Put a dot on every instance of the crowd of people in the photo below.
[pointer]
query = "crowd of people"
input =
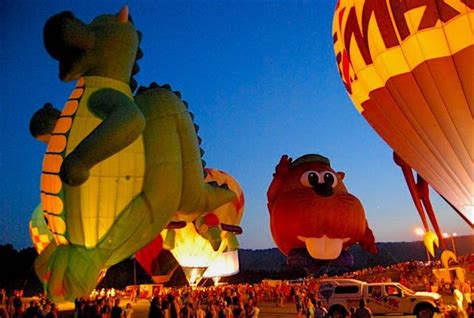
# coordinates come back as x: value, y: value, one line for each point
x: 229, y: 301
x: 13, y: 306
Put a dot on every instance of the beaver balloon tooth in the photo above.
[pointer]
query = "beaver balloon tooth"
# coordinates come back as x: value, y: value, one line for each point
x: 323, y: 247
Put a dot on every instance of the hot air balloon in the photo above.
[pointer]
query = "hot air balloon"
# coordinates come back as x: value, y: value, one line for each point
x: 407, y: 66
x: 226, y: 264
x: 157, y: 262
x: 117, y: 166
x: 196, y: 241
x: 309, y: 209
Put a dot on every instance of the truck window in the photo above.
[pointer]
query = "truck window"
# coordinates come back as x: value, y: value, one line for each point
x: 346, y: 289
x: 375, y: 291
x: 393, y: 291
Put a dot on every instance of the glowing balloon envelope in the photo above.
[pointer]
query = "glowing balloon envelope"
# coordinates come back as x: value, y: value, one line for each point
x: 226, y: 264
x: 309, y: 208
x: 407, y: 66
x: 190, y: 244
x: 193, y: 252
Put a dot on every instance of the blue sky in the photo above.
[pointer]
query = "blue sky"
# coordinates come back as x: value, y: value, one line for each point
x: 261, y: 79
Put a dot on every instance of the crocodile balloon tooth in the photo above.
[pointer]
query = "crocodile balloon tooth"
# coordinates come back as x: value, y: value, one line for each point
x: 167, y: 86
x: 178, y: 93
x: 154, y: 85
x: 196, y: 128
x: 192, y: 115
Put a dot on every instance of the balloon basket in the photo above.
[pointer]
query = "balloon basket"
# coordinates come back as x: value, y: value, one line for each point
x: 216, y: 280
x: 193, y: 274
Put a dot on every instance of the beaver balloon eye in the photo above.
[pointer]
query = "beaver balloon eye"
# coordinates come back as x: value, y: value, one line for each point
x: 330, y: 178
x: 309, y: 178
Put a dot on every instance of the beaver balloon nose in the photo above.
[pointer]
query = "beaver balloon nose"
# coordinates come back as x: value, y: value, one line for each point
x: 323, y: 189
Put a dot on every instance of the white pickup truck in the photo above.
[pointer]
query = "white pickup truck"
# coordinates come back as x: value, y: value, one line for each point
x: 339, y: 295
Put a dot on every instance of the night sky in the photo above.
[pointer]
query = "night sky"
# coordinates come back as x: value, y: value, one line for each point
x: 261, y: 79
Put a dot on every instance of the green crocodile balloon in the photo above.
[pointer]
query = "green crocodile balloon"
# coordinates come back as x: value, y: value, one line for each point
x: 116, y: 168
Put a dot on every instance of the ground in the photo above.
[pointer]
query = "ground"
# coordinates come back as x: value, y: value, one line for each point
x: 267, y: 309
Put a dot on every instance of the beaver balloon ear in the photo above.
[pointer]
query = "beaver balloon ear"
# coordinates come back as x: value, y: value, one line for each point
x: 341, y: 175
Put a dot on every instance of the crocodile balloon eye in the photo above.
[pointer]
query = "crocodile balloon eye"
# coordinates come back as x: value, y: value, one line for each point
x: 330, y: 178
x: 309, y: 178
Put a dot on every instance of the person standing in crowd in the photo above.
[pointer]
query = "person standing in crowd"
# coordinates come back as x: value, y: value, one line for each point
x: 459, y: 298
x: 363, y: 311
x: 319, y: 310
x: 117, y: 311
x: 104, y: 308
x: 53, y: 312
x: 133, y: 295
x: 155, y: 308
x: 466, y: 291
x: 352, y: 312
x: 200, y: 313
x: 17, y: 306
x: 32, y: 311
x: 128, y: 311
x: 309, y: 308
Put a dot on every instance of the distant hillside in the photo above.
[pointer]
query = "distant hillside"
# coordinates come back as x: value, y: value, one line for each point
x: 255, y: 265
x: 272, y: 262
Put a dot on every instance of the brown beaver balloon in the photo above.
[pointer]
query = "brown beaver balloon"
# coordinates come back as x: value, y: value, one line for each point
x: 310, y: 208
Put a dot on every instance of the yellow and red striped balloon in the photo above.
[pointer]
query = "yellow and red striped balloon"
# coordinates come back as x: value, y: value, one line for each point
x: 407, y: 66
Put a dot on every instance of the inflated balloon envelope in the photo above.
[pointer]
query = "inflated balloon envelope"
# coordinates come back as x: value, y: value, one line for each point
x: 116, y: 167
x: 197, y: 240
x: 407, y: 66
x: 226, y: 264
x: 313, y: 217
